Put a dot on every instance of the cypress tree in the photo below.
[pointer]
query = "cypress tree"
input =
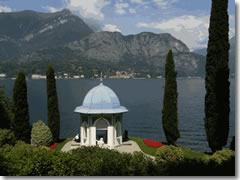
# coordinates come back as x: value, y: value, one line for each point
x: 21, y: 125
x: 169, y: 111
x: 217, y: 77
x: 53, y: 112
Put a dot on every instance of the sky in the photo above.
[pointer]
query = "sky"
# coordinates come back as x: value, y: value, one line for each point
x: 187, y: 20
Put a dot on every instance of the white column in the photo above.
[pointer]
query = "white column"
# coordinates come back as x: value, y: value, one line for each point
x: 88, y: 136
x: 93, y: 136
x: 120, y: 139
x: 114, y: 130
x: 110, y: 136
x: 81, y: 131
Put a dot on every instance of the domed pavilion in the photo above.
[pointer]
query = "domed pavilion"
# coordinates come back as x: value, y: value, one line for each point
x: 101, y: 117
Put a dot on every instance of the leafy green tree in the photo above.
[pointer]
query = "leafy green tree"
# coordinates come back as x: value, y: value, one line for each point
x: 169, y: 111
x: 53, y: 112
x: 41, y: 134
x: 5, y: 114
x: 4, y: 118
x: 7, y: 137
x: 217, y: 77
x: 21, y: 125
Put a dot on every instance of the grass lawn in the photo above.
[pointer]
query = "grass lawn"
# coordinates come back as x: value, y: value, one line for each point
x: 188, y: 153
x: 146, y: 149
x: 61, y: 144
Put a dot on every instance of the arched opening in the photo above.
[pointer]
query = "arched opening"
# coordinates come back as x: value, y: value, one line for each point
x: 118, y: 129
x: 101, y: 129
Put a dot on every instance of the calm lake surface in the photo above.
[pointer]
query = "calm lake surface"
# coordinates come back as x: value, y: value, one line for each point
x: 142, y: 97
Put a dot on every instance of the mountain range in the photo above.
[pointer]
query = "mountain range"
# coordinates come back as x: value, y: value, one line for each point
x: 31, y: 40
x: 232, y: 51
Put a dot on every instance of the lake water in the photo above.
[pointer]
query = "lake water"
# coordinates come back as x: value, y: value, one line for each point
x: 142, y: 97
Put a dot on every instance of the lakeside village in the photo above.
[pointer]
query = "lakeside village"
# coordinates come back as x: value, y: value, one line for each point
x: 118, y: 75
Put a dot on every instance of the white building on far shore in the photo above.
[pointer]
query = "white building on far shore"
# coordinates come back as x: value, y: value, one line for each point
x: 2, y: 75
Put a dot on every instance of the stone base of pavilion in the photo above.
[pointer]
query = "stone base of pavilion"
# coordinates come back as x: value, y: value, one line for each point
x: 125, y: 147
x: 128, y: 146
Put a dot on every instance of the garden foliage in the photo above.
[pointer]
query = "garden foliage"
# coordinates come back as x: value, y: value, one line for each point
x: 7, y: 137
x: 27, y: 160
x: 41, y: 134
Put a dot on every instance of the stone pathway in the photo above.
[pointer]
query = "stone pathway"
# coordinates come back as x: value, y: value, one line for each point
x: 126, y: 147
x: 67, y: 146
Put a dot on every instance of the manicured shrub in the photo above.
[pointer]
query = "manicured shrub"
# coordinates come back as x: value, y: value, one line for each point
x: 140, y: 165
x: 7, y: 137
x: 41, y: 134
x: 25, y: 160
x: 220, y: 157
x: 169, y: 154
x: 169, y: 158
x: 100, y: 161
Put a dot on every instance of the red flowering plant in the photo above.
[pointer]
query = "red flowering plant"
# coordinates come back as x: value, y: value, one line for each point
x: 53, y: 146
x: 152, y: 143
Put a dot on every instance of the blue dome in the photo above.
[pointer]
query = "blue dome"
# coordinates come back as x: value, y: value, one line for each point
x: 100, y: 100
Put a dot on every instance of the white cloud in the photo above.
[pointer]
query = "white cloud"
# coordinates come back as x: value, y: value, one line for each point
x: 164, y: 3
x: 132, y: 11
x: 190, y: 29
x: 87, y: 8
x: 111, y: 28
x: 5, y: 9
x: 137, y: 1
x: 232, y: 26
x: 51, y: 9
x: 120, y: 8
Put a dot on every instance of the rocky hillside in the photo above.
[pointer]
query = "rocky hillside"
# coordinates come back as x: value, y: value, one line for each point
x: 232, y: 51
x: 27, y: 31
x: 31, y: 40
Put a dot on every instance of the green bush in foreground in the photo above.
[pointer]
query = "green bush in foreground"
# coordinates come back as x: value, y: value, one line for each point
x: 41, y: 134
x: 168, y: 158
x: 7, y: 137
x: 168, y: 154
x: 27, y: 160
x: 220, y: 157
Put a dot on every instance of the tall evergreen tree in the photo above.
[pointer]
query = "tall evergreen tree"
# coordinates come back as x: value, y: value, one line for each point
x: 169, y: 111
x: 217, y: 77
x: 21, y: 125
x: 53, y: 112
